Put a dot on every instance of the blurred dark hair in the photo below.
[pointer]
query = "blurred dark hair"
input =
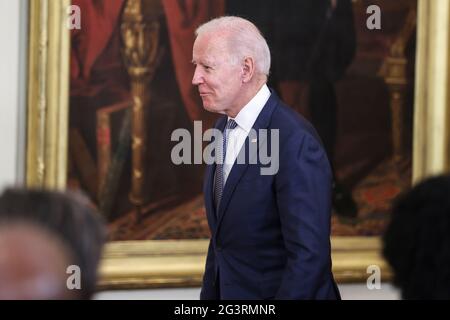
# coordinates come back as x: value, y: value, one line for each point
x: 417, y: 240
x: 70, y: 217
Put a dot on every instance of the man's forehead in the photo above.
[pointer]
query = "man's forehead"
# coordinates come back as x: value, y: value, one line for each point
x: 209, y: 49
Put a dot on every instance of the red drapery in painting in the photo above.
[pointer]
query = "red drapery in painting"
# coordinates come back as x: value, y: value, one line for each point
x: 99, y: 23
x: 183, y: 17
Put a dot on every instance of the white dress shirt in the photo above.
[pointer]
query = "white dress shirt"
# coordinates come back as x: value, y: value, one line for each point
x: 245, y: 120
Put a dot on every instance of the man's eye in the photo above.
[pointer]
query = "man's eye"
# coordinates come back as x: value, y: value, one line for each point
x: 208, y: 68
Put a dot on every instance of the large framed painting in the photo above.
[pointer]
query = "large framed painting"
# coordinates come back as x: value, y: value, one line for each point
x: 110, y: 80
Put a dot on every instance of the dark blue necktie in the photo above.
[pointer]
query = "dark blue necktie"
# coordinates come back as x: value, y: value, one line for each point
x: 221, y: 153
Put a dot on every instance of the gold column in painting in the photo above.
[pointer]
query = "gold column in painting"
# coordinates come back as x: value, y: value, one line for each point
x: 431, y: 153
x: 48, y: 98
x: 394, y: 73
x: 140, y: 34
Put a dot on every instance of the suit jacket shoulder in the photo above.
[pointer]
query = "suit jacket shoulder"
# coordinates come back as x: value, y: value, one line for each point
x: 292, y: 123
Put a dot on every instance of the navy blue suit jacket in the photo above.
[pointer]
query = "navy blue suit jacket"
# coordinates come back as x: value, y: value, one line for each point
x: 270, y: 238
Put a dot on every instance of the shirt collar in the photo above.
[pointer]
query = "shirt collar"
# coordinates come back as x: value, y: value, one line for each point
x: 249, y: 113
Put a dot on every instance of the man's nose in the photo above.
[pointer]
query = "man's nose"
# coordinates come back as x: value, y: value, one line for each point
x: 198, y: 77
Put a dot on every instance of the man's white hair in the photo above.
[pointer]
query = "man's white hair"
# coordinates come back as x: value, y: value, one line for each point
x: 244, y: 40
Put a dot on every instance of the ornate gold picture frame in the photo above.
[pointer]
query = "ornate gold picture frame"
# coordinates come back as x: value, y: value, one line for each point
x: 139, y: 264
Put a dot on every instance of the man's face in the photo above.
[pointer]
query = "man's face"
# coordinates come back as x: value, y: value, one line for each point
x: 218, y: 79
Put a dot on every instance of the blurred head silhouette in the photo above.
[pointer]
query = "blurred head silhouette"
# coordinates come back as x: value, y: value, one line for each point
x: 62, y: 229
x: 417, y: 241
x: 33, y: 263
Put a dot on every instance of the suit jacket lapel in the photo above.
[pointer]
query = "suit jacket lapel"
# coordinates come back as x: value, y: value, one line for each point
x: 209, y: 183
x: 262, y: 122
x: 208, y: 192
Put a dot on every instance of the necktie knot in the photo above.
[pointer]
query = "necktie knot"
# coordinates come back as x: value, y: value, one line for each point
x: 231, y: 124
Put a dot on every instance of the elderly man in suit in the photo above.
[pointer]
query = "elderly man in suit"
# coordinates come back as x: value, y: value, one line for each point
x: 270, y: 232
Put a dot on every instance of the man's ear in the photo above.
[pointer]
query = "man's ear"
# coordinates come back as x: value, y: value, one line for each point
x: 248, y: 69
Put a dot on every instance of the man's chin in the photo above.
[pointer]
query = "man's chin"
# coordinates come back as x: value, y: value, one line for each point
x: 210, y: 108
